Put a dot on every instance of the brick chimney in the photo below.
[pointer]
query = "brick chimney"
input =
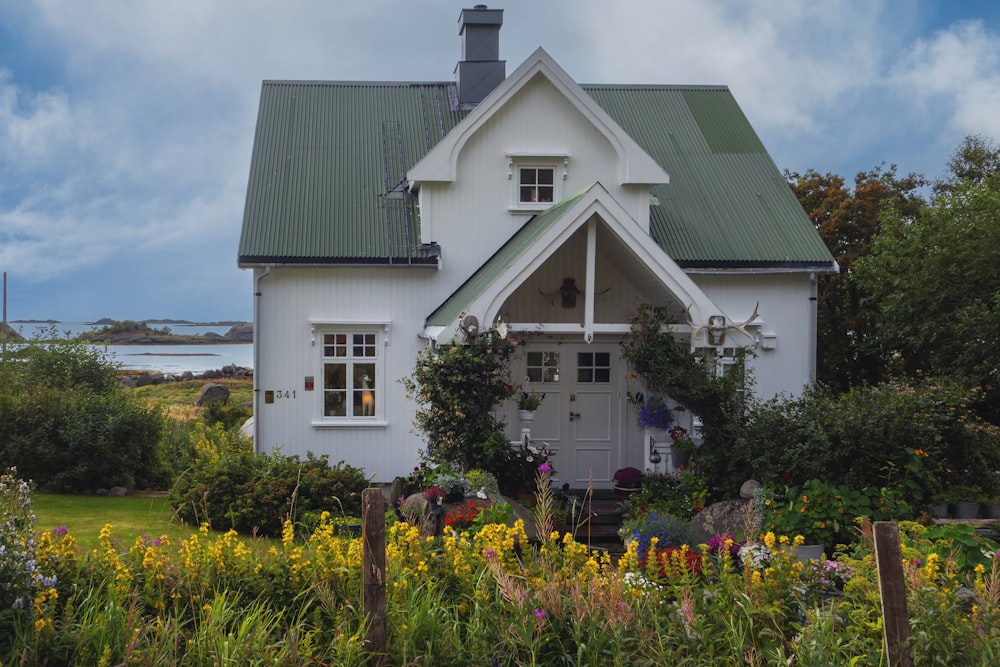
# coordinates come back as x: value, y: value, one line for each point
x: 480, y: 70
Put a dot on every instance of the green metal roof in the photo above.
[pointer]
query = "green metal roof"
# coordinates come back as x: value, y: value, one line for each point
x: 501, y: 260
x: 727, y: 203
x: 327, y: 166
x: 329, y: 159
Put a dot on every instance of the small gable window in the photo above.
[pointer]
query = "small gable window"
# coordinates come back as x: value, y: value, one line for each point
x: 537, y: 185
x: 536, y: 181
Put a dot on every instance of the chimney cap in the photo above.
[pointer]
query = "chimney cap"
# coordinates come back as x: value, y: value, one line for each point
x: 480, y: 15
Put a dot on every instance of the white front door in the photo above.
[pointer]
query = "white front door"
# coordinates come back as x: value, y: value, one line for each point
x: 580, y: 417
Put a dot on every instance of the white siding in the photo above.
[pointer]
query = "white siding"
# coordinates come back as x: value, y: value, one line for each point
x: 289, y: 299
x: 786, y: 311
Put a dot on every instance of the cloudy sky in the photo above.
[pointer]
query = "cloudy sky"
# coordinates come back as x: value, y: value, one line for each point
x: 126, y: 126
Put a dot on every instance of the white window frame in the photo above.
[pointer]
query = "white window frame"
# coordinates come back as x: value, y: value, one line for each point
x: 557, y: 162
x: 379, y: 333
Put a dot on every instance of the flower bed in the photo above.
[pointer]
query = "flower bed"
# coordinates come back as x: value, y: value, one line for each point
x: 485, y: 597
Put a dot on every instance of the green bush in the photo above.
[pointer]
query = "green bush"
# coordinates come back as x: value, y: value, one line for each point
x: 67, y: 425
x: 456, y: 387
x: 826, y: 514
x: 682, y: 495
x: 230, y: 416
x: 229, y: 486
x: 914, y: 439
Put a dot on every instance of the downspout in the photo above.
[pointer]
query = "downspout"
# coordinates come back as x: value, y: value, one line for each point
x: 813, y: 327
x: 256, y: 357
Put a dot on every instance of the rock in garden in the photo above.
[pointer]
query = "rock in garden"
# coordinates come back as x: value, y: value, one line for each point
x: 212, y: 393
x: 748, y: 488
x: 728, y: 517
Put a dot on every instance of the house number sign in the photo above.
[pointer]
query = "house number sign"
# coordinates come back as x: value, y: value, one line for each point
x: 270, y: 395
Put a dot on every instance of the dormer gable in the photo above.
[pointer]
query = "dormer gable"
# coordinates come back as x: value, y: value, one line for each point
x: 635, y: 165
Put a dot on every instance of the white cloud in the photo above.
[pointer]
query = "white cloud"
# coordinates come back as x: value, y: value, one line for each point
x: 32, y: 125
x: 955, y: 75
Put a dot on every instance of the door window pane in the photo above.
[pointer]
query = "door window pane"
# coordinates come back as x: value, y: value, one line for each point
x: 543, y: 366
x: 593, y: 367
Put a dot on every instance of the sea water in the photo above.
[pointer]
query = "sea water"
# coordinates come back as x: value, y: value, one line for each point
x: 175, y: 359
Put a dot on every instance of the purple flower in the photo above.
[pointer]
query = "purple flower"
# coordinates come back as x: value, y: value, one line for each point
x: 490, y: 553
x: 539, y: 613
x: 545, y: 467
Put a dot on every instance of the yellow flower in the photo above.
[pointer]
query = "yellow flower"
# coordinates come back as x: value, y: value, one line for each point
x: 799, y: 541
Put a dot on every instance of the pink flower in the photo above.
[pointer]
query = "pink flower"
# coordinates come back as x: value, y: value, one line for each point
x: 545, y: 467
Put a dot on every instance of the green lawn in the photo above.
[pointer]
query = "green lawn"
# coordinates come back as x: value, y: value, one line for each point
x: 131, y: 516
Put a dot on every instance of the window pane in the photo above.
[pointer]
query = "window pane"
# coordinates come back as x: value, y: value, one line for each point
x: 545, y: 176
x: 593, y: 367
x: 334, y: 390
x: 529, y: 194
x: 542, y: 366
x: 363, y: 345
x: 334, y: 345
x: 545, y: 193
x: 364, y: 390
x: 528, y: 176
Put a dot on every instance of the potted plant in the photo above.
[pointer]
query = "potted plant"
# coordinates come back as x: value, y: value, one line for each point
x: 654, y: 414
x: 964, y: 501
x: 527, y: 403
x: 435, y: 499
x: 991, y: 507
x: 628, y: 479
x: 681, y: 447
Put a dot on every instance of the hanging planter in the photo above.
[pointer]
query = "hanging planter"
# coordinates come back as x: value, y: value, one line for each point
x: 526, y: 415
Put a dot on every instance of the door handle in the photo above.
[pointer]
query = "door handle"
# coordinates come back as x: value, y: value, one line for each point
x: 574, y: 415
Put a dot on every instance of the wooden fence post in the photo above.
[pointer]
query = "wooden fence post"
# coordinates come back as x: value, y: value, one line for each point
x: 373, y: 575
x: 895, y: 618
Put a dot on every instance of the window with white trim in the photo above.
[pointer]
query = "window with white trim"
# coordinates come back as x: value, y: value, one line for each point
x: 351, y: 374
x: 536, y: 180
x: 536, y: 185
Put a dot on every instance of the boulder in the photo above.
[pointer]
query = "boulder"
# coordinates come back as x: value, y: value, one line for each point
x: 749, y: 487
x: 728, y: 517
x: 117, y: 491
x: 247, y: 429
x: 213, y: 393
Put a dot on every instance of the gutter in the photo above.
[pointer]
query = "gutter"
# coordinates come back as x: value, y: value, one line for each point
x: 256, y: 356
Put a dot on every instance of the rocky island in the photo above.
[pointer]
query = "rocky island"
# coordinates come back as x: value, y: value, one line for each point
x: 141, y: 333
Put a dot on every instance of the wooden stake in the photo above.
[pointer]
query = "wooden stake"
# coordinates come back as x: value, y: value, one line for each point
x: 895, y: 618
x: 373, y: 602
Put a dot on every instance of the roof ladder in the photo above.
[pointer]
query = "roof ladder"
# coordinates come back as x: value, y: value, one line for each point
x: 396, y: 199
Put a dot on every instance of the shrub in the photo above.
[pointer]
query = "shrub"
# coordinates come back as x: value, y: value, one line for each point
x: 456, y: 387
x: 915, y: 439
x: 681, y: 495
x: 229, y: 486
x: 825, y: 513
x: 69, y: 426
x: 230, y: 416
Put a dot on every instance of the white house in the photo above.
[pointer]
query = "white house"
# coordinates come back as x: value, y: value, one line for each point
x: 381, y: 217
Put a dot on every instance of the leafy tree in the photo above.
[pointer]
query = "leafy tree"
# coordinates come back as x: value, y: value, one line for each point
x: 935, y: 279
x: 976, y: 159
x: 849, y: 350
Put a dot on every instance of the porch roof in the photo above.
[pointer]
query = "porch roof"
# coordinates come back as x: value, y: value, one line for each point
x: 522, y: 240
